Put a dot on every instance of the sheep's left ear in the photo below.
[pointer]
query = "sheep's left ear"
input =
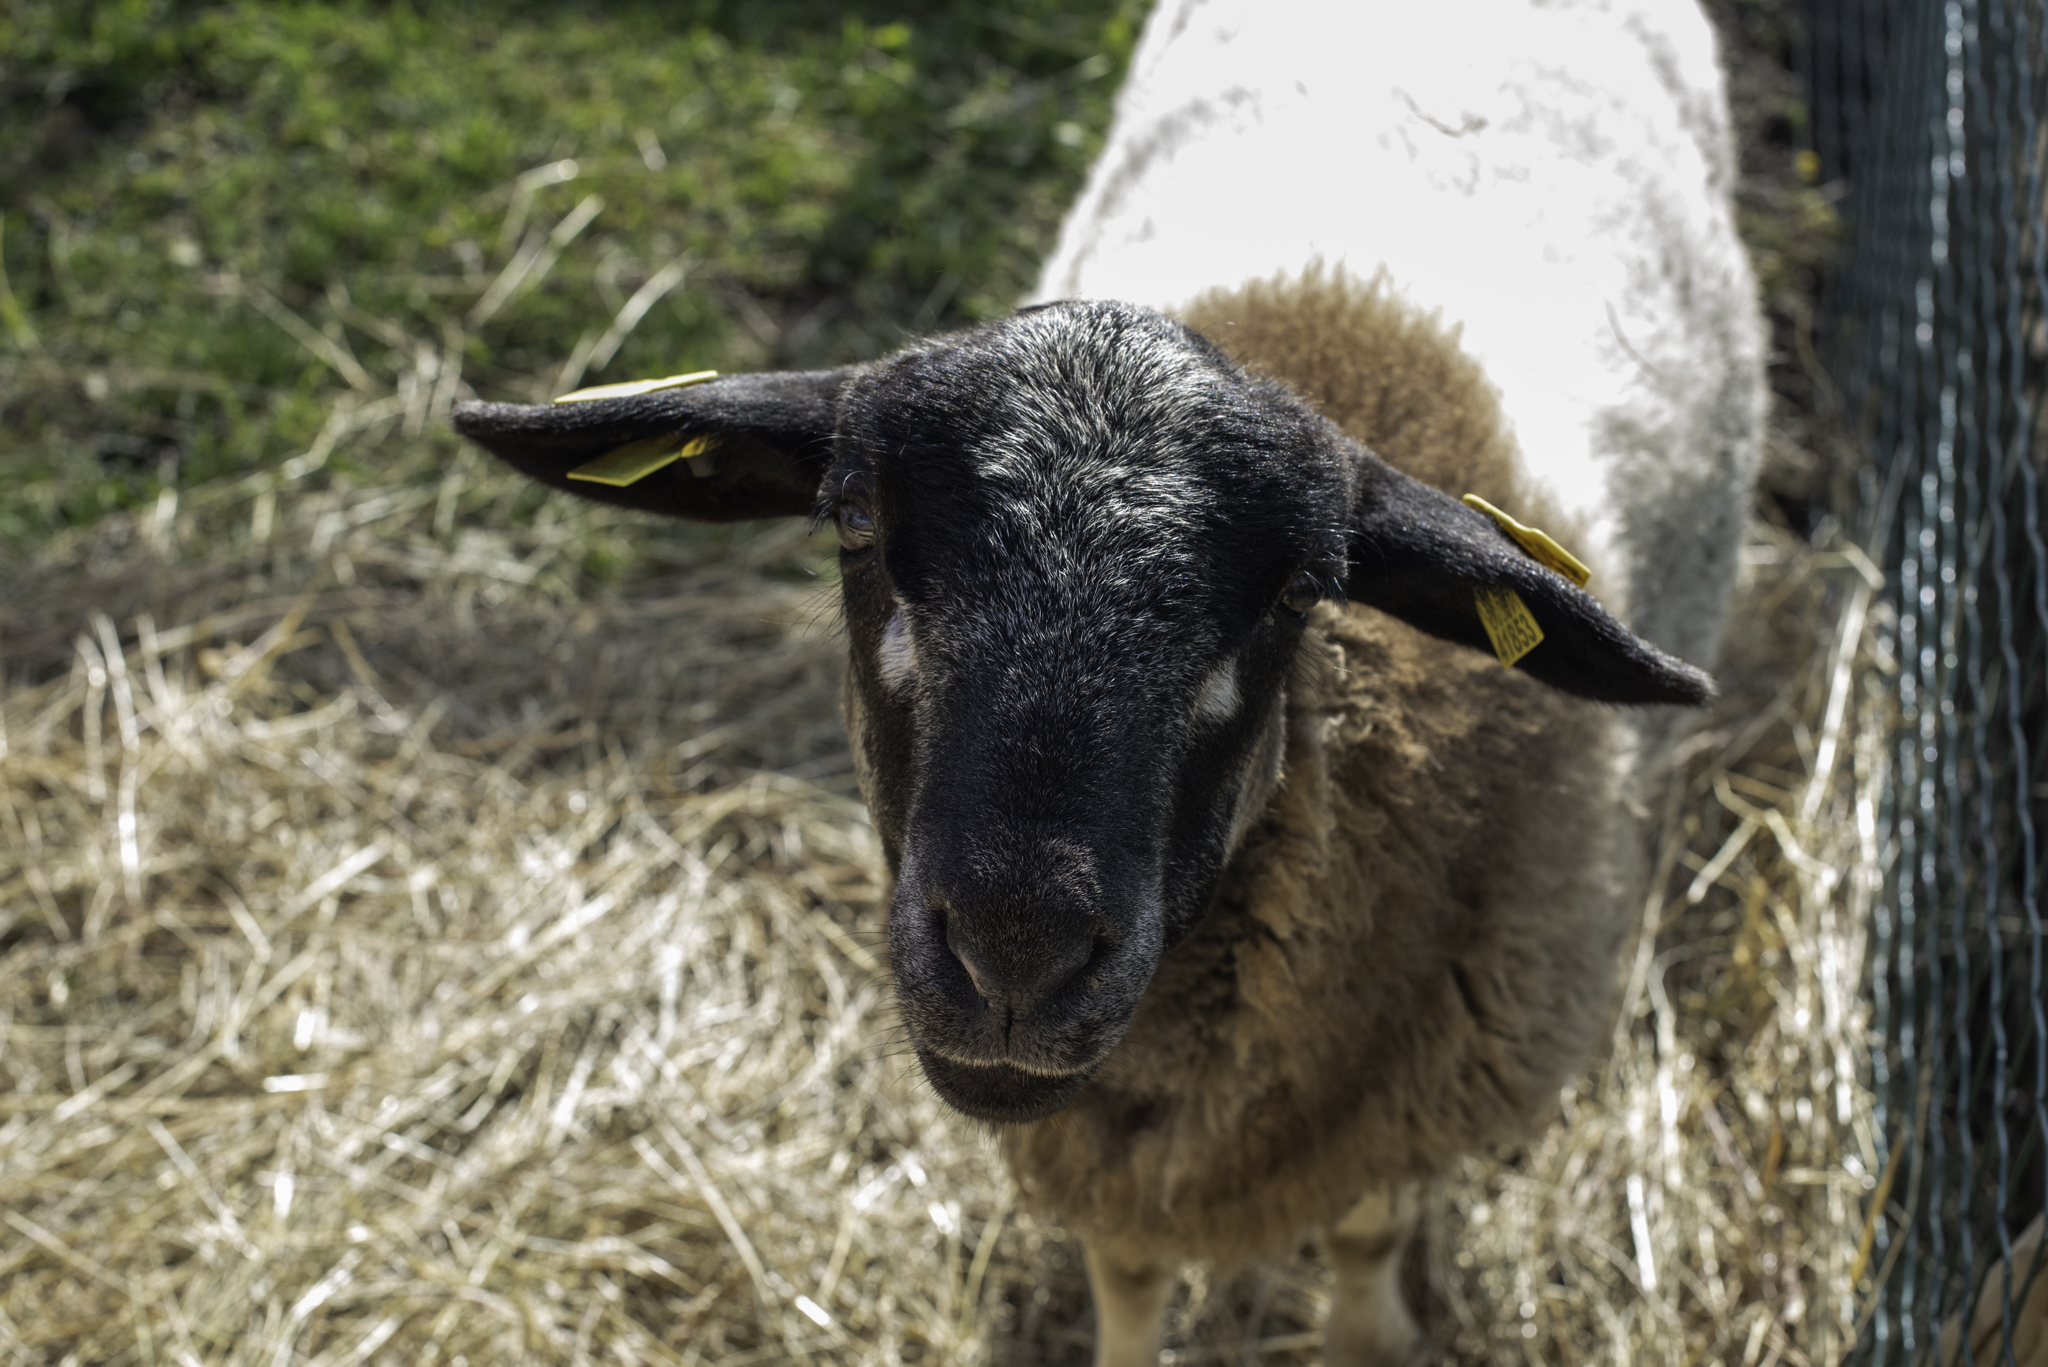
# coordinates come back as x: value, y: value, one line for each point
x: 716, y: 449
x: 1422, y: 556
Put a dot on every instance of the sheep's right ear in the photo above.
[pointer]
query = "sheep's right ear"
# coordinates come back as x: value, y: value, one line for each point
x: 721, y: 450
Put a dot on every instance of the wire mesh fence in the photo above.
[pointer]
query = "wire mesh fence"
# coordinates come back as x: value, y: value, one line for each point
x: 1932, y: 117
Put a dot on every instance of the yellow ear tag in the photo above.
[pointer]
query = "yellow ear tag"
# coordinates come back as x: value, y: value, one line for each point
x: 1509, y: 624
x: 634, y: 462
x: 1545, y: 551
x: 632, y: 387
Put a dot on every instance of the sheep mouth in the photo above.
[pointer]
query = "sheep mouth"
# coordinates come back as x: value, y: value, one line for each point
x: 1001, y: 1093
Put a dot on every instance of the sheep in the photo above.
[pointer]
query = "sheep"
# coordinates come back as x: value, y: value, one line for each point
x: 1237, y: 886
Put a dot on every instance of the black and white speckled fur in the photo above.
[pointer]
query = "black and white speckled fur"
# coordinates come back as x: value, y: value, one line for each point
x: 1084, y: 520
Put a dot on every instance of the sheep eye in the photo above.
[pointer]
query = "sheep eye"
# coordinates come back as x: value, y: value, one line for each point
x: 1302, y: 593
x: 856, y: 527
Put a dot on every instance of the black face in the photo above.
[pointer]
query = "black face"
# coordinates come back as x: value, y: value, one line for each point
x: 1077, y: 545
x: 1069, y: 648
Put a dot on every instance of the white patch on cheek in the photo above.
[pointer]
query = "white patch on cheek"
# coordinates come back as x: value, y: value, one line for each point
x: 1218, y: 699
x: 899, y: 653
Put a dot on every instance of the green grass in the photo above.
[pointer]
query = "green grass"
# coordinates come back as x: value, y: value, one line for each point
x: 223, y: 226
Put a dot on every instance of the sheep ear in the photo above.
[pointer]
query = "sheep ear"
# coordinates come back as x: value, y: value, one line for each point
x: 1426, y: 558
x: 702, y: 447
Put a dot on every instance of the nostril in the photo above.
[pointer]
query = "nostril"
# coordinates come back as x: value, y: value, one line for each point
x: 1098, y: 959
x: 984, y: 986
x: 981, y: 982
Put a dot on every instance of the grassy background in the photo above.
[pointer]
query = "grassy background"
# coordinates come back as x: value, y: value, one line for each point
x: 220, y: 224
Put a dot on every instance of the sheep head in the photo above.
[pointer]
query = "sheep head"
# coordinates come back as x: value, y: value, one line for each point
x: 1078, y: 550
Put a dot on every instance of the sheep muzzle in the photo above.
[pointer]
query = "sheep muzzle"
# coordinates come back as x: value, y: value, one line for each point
x: 1017, y: 975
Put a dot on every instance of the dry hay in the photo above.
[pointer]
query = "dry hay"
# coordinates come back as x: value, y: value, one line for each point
x: 406, y: 961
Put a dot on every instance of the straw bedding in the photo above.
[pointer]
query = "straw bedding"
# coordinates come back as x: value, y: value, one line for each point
x: 406, y: 959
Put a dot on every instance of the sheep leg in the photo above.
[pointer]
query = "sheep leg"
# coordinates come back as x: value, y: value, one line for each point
x: 1130, y: 1297
x: 1369, y: 1326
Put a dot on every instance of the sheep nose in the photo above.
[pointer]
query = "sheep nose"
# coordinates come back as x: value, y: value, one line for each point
x: 1014, y: 985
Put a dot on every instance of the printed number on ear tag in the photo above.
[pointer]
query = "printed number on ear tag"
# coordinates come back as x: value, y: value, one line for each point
x: 634, y: 462
x: 1509, y: 623
x: 1540, y: 547
x: 633, y: 387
